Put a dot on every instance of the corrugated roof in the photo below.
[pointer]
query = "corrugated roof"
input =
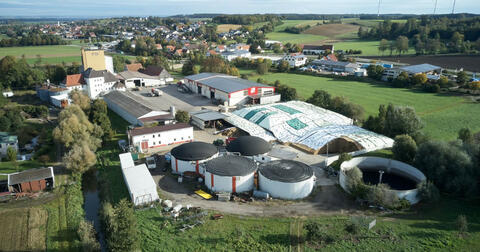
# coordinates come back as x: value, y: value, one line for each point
x: 226, y: 83
x: 156, y: 129
x: 422, y: 68
x: 128, y: 102
x: 135, y: 75
x: 30, y: 175
x: 207, y: 115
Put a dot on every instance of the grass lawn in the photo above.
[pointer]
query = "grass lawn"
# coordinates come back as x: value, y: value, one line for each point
x: 44, y: 51
x: 443, y: 115
x: 11, y: 167
x: 56, y: 60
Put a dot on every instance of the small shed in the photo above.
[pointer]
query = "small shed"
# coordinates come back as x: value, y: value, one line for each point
x: 206, y: 117
x: 32, y: 180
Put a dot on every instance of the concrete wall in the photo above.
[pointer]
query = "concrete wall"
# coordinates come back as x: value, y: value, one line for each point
x: 391, y: 166
x: 284, y: 190
x: 181, y: 166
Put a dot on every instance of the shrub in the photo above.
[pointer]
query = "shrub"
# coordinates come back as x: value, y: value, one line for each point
x: 358, y: 224
x: 182, y: 116
x: 318, y: 234
x: 218, y: 142
x: 342, y: 158
x: 11, y: 154
x: 462, y: 224
x: 380, y: 195
x: 428, y: 191
x: 86, y: 233
x: 404, y: 148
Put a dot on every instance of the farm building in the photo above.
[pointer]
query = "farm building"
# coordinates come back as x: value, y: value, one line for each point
x: 144, y: 138
x: 32, y: 180
x: 230, y: 89
x: 7, y: 140
x: 317, y: 50
x: 205, y: 118
x: 136, y: 110
x: 231, y: 55
x: 336, y: 66
x: 307, y: 127
x: 230, y: 173
x: 140, y: 184
x: 286, y: 179
x: 133, y: 79
x: 295, y: 59
x: 252, y: 147
x: 158, y: 72
x: 432, y: 72
x: 188, y: 157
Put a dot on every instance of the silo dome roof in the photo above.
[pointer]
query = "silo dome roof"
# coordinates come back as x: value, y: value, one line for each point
x: 230, y: 165
x: 194, y: 151
x: 289, y: 171
x: 249, y: 146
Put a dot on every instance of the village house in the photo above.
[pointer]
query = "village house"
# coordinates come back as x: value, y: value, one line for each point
x: 295, y: 59
x: 144, y: 138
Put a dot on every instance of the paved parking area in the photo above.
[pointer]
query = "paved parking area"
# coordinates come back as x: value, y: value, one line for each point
x: 172, y: 97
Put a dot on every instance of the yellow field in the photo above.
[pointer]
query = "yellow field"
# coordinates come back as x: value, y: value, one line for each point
x: 227, y: 27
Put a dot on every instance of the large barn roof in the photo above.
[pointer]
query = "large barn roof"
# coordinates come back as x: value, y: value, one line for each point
x: 303, y: 123
x: 422, y: 68
x: 30, y: 175
x: 133, y: 104
x: 194, y: 151
x: 226, y: 83
x: 289, y: 171
x: 231, y: 165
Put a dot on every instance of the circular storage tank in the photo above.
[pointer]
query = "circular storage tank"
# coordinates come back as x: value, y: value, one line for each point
x: 189, y: 156
x: 401, y: 177
x: 249, y: 146
x: 286, y: 179
x: 230, y: 173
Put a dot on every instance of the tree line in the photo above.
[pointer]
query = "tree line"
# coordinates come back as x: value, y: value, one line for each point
x: 33, y: 40
x: 244, y: 19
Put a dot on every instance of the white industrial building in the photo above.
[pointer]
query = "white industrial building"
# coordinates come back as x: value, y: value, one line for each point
x: 140, y: 184
x: 229, y: 173
x: 98, y: 82
x: 136, y: 110
x: 336, y: 66
x: 133, y: 79
x: 317, y: 50
x: 230, y: 89
x: 432, y: 71
x: 231, y: 55
x: 190, y: 157
x: 144, y: 138
x: 295, y: 59
x: 310, y: 128
x: 286, y: 179
x: 251, y: 147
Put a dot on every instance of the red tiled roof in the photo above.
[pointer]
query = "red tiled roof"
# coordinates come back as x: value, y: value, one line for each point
x: 74, y: 80
x: 134, y: 67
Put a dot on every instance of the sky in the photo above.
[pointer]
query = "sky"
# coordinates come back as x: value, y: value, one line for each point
x: 113, y: 8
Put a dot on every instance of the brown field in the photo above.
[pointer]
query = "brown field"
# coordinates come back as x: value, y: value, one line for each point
x: 23, y: 229
x: 333, y: 30
x: 227, y: 27
x: 468, y: 62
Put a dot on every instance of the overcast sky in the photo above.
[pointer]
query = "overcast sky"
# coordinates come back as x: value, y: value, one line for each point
x: 104, y: 8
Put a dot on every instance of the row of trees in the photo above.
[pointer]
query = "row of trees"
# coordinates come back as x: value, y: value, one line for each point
x: 338, y: 104
x: 244, y: 19
x: 33, y: 40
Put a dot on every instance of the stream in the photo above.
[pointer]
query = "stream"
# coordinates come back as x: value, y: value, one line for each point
x: 92, y: 204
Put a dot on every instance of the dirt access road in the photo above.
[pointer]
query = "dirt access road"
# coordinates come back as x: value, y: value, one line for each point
x: 327, y: 199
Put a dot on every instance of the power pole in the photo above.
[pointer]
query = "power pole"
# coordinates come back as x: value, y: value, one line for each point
x: 435, y: 9
x: 453, y: 8
x: 378, y: 11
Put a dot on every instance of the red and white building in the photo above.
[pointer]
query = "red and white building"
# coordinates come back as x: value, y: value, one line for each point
x: 144, y: 138
x: 230, y: 89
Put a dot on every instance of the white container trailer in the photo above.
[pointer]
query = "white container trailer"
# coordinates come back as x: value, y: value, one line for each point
x: 140, y: 184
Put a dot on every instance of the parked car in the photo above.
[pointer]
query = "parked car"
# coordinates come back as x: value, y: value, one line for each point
x: 151, y: 164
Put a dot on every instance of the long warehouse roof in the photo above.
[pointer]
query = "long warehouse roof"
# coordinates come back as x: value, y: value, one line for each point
x: 133, y: 104
x: 226, y: 83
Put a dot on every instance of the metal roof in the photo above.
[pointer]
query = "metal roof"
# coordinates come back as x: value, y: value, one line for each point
x: 135, y: 75
x: 231, y: 165
x: 207, y: 115
x: 30, y: 175
x: 334, y: 63
x: 194, y: 151
x: 422, y: 68
x: 129, y: 102
x: 156, y: 129
x: 288, y: 171
x: 226, y: 83
x: 249, y: 146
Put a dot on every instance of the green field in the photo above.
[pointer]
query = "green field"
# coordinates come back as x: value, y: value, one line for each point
x: 369, y: 48
x: 443, y: 115
x: 285, y: 37
x: 55, y: 54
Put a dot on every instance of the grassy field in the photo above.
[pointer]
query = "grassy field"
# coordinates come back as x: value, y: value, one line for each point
x: 227, y: 27
x: 335, y: 31
x: 443, y: 115
x: 285, y: 37
x: 50, y: 54
x: 369, y: 48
